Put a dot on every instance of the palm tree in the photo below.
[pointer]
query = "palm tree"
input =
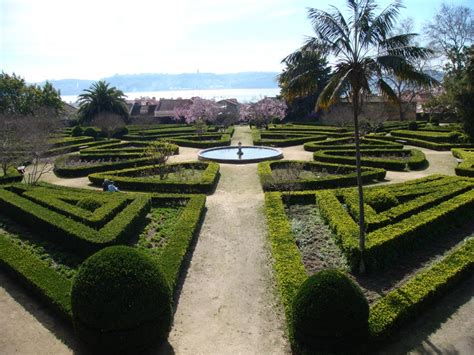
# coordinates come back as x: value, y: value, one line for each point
x: 365, y: 53
x: 306, y: 73
x: 100, y: 98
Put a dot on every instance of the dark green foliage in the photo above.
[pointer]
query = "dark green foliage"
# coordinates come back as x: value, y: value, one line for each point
x: 330, y: 313
x: 466, y: 166
x: 431, y: 136
x: 413, y: 125
x: 91, y: 132
x: 334, y: 175
x: 121, y: 302
x: 426, y: 143
x: 136, y: 179
x: 88, y: 203
x: 120, y: 132
x: 407, y: 302
x: 380, y: 199
x: 348, y: 143
x: 390, y: 159
x: 77, y: 131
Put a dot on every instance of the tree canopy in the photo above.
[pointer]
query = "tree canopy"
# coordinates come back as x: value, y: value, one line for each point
x: 101, y: 98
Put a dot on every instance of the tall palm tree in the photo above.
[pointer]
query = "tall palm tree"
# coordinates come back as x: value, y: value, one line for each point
x: 364, y: 53
x: 306, y: 73
x: 100, y: 98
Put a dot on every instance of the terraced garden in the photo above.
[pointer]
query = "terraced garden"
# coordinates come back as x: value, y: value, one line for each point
x: 227, y: 299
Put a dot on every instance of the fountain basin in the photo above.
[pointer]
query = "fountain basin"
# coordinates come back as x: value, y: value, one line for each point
x: 250, y: 154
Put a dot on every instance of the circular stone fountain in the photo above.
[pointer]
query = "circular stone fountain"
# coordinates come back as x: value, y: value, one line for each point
x: 240, y: 154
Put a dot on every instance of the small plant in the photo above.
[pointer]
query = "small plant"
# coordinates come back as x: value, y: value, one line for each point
x: 88, y: 203
x: 159, y: 153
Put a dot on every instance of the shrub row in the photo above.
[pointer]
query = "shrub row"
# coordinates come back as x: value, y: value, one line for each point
x: 431, y: 136
x: 51, y: 287
x: 344, y: 175
x: 13, y: 176
x: 466, y: 167
x: 63, y: 142
x: 287, y: 262
x: 408, y: 301
x: 174, y: 253
x: 415, y: 159
x: 395, y: 214
x: 129, y: 179
x: 393, y: 240
x: 76, y: 147
x: 63, y: 169
x: 202, y: 141
x: 70, y: 233
x: 306, y: 128
x: 283, y: 139
x: 348, y: 143
x: 425, y: 144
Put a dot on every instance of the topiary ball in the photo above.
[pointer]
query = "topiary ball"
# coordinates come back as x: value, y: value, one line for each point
x: 121, y: 302
x: 76, y: 131
x: 330, y: 313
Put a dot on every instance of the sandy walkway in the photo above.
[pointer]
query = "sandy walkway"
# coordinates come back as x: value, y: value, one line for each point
x: 228, y: 303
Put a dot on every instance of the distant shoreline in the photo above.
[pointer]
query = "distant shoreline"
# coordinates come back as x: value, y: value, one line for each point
x: 242, y: 95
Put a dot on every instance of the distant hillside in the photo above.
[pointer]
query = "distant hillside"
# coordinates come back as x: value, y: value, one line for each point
x: 159, y: 82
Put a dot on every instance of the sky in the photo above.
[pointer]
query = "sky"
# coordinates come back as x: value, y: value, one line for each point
x: 93, y: 39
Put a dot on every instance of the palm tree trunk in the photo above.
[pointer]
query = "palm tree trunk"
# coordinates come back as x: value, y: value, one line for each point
x: 359, y: 183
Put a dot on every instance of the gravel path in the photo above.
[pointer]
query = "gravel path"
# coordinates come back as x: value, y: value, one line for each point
x: 228, y: 303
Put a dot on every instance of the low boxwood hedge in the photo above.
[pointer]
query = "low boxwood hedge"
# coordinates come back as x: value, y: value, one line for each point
x: 342, y: 175
x: 391, y: 311
x: 409, y: 158
x: 426, y: 144
x: 129, y: 179
x: 74, y: 235
x: 408, y: 301
x: 55, y: 290
x: 348, y: 143
x: 466, y: 166
x: 431, y: 136
x: 63, y: 142
x: 12, y: 176
x: 75, y: 147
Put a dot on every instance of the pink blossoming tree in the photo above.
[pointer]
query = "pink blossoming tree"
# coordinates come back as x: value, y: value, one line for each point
x: 263, y: 112
x: 199, y: 113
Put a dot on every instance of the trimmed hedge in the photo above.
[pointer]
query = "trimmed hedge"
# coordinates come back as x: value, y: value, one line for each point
x: 13, y: 176
x: 426, y: 144
x: 402, y: 228
x: 389, y: 313
x: 63, y: 142
x: 202, y: 141
x: 76, y: 147
x: 54, y: 289
x: 414, y: 158
x: 51, y: 287
x: 348, y: 143
x: 344, y: 175
x: 129, y: 179
x: 431, y: 136
x: 284, y: 139
x: 466, y: 167
x: 71, y: 234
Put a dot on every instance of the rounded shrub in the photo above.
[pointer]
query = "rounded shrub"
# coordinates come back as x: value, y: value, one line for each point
x: 88, y: 203
x: 380, y: 199
x: 412, y: 125
x: 76, y: 131
x: 121, y: 302
x: 90, y: 132
x: 330, y: 314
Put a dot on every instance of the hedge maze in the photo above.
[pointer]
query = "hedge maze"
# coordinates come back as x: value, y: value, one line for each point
x: 46, y: 232
x: 390, y: 159
x: 197, y: 177
x: 401, y: 220
x: 301, y: 175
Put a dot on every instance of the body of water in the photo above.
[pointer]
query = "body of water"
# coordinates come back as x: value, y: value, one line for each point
x: 242, y: 95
